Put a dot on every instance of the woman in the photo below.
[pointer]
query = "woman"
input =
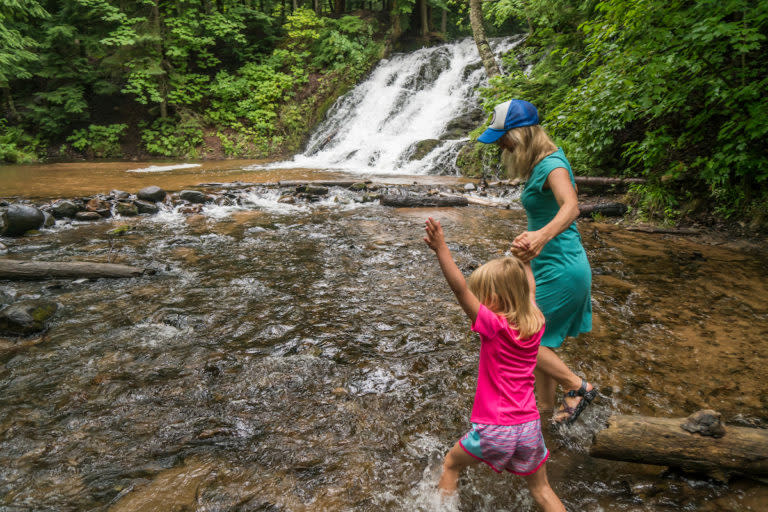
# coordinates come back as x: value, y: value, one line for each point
x: 553, y: 246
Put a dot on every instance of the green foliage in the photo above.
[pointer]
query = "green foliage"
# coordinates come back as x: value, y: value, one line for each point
x: 673, y: 91
x: 173, y: 137
x: 99, y: 141
x: 15, y: 145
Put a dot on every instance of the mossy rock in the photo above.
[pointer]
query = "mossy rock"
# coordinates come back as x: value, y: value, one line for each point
x: 476, y: 160
x: 423, y: 148
x: 26, y: 317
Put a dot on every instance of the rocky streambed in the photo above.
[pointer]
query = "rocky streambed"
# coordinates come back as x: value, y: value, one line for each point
x: 297, y: 349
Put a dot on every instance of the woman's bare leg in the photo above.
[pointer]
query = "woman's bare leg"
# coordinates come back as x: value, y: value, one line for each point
x: 541, y: 491
x: 549, y: 364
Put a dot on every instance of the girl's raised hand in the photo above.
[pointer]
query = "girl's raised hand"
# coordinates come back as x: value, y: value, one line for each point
x: 435, y: 237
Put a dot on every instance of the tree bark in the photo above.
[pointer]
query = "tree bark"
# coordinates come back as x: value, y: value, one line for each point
x: 38, y: 270
x: 661, y: 441
x: 424, y: 19
x: 478, y: 32
x: 444, y: 22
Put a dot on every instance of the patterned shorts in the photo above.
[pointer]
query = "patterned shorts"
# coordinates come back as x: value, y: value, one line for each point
x: 519, y: 449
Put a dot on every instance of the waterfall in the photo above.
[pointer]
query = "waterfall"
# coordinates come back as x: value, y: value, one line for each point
x: 427, y: 96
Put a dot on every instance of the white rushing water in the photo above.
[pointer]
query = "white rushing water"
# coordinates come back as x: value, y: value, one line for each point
x: 408, y: 98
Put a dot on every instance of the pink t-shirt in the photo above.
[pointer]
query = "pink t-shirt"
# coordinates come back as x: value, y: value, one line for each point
x: 504, y: 393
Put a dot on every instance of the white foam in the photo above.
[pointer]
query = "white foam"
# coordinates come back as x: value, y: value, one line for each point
x: 164, y: 168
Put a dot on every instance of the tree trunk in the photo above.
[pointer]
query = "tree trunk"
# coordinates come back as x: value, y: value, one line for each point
x: 444, y: 22
x: 423, y: 15
x: 397, y: 28
x: 662, y: 441
x: 478, y: 32
x: 37, y: 270
x: 12, y: 114
x: 339, y: 7
x: 317, y: 7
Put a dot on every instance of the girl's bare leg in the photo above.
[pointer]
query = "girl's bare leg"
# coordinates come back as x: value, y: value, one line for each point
x: 541, y: 491
x: 455, y: 460
x: 545, y: 391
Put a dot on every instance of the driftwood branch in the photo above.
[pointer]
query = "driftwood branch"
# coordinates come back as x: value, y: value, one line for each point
x: 37, y: 270
x: 663, y: 442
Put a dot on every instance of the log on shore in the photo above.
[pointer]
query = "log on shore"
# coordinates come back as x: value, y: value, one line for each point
x: 36, y: 270
x: 598, y: 182
x: 326, y: 183
x: 422, y: 201
x: 606, y: 209
x: 665, y: 231
x: 663, y: 442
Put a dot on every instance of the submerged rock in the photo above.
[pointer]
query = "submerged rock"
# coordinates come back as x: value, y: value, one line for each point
x: 87, y: 216
x: 48, y: 221
x: 26, y: 317
x: 20, y: 218
x: 423, y: 148
x: 154, y: 194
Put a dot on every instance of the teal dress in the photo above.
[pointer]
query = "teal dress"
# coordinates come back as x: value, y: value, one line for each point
x: 562, y: 273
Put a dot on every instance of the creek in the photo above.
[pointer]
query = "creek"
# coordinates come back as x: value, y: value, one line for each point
x: 309, y: 356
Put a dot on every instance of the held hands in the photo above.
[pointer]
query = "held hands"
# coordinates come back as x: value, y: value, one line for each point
x: 528, y: 245
x: 435, y: 238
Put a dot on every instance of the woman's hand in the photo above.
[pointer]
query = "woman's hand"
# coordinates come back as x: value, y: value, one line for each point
x: 528, y: 245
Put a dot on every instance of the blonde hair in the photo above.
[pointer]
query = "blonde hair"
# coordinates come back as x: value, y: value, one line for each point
x: 530, y: 145
x: 502, y: 286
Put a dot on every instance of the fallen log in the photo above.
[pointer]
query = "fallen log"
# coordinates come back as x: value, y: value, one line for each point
x: 36, y: 270
x: 664, y: 442
x: 606, y: 209
x: 422, y: 201
x: 478, y: 201
x: 327, y: 183
x: 604, y: 182
x: 664, y: 231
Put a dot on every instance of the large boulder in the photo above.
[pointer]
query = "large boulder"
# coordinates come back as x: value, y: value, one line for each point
x: 62, y: 209
x: 26, y: 317
x: 153, y: 194
x: 20, y: 218
x: 193, y: 196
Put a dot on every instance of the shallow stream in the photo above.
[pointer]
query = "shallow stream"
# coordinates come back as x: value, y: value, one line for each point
x: 311, y: 357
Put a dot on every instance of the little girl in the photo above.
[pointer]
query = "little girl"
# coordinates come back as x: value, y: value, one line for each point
x: 506, y: 428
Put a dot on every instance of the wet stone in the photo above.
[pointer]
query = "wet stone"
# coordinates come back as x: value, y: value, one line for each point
x: 153, y: 194
x: 87, y: 216
x: 126, y: 209
x: 193, y: 196
x: 312, y: 190
x: 62, y: 209
x: 26, y: 317
x: 146, y: 207
x: 120, y: 194
x: 49, y: 220
x: 21, y: 218
x: 96, y: 204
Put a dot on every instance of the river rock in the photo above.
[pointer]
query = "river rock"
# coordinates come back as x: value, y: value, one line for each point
x: 423, y: 148
x: 3, y: 248
x: 3, y: 220
x: 312, y: 190
x: 705, y: 422
x: 153, y: 194
x: 193, y: 196
x: 20, y: 218
x: 48, y: 221
x: 146, y: 207
x: 126, y: 209
x: 96, y: 205
x: 119, y: 194
x: 470, y: 186
x: 62, y: 209
x: 26, y: 317
x: 87, y: 216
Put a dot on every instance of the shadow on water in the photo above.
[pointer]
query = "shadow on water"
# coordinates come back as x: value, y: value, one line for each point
x: 314, y: 359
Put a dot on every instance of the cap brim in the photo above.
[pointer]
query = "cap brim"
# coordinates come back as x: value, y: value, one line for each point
x: 490, y: 135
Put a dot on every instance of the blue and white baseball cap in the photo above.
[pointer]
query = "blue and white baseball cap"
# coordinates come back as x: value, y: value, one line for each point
x: 508, y: 115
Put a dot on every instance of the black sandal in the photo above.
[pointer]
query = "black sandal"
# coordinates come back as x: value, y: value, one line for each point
x: 574, y: 412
